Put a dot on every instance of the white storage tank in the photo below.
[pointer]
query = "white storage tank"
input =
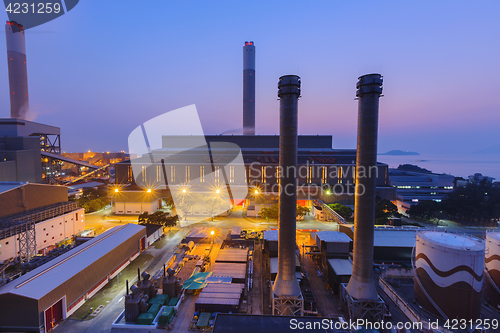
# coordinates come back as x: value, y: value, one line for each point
x: 492, y: 269
x: 449, y: 274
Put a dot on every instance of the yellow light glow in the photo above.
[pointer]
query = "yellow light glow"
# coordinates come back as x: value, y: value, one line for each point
x: 149, y: 190
x: 212, y: 232
x: 327, y: 192
x: 218, y: 191
x: 256, y: 192
x: 184, y: 191
x: 116, y: 190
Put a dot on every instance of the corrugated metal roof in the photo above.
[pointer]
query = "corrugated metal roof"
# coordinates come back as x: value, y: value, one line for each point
x: 395, y: 238
x: 205, y: 294
x: 224, y: 301
x: 341, y: 266
x: 389, y: 236
x: 271, y: 235
x: 7, y: 186
x: 46, y: 278
x: 333, y: 236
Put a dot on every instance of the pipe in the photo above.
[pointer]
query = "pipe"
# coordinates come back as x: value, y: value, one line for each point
x: 127, y: 286
x: 138, y: 274
x: 289, y: 92
x: 361, y: 284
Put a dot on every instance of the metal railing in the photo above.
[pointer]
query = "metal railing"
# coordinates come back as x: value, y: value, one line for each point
x: 336, y: 216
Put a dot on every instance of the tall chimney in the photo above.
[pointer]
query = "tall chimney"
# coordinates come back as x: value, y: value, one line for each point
x: 361, y: 284
x: 286, y: 284
x: 249, y: 88
x: 18, y: 73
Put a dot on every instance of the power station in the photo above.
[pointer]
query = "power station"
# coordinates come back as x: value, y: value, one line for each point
x: 18, y: 73
x: 249, y: 88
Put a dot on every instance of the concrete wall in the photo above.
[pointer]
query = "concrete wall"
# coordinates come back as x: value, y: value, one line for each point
x: 31, y: 196
x: 133, y: 208
x: 47, y: 233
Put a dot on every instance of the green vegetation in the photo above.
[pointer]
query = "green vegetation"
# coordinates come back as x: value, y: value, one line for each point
x: 272, y: 212
x: 342, y: 210
x: 93, y: 200
x: 158, y: 217
x: 477, y: 203
x: 384, y: 210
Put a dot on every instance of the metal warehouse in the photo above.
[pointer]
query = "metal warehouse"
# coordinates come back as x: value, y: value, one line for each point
x: 390, y: 244
x: 40, y: 299
x: 333, y: 243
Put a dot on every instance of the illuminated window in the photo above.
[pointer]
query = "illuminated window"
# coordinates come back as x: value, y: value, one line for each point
x: 172, y: 173
x: 325, y: 175
x: 231, y: 174
x: 188, y: 175
x: 309, y: 172
x: 143, y: 172
x: 129, y: 173
x: 278, y: 174
x: 217, y: 174
x: 202, y: 174
x: 263, y: 174
x: 339, y: 178
x: 158, y: 173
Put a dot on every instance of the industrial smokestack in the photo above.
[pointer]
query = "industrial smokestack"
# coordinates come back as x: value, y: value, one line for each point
x: 286, y: 284
x: 361, y: 284
x: 18, y: 73
x: 249, y: 88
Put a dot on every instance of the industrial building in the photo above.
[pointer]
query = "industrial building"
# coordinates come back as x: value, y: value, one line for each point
x: 135, y: 200
x: 420, y: 184
x: 333, y: 244
x: 153, y: 232
x: 40, y: 299
x: 34, y: 218
x: 391, y: 245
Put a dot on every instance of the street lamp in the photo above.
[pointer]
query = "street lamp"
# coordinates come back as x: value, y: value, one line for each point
x: 116, y: 190
x: 212, y: 236
x: 149, y: 190
x: 184, y: 191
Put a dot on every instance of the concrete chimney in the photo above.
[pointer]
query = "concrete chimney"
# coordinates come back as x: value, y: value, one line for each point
x: 18, y: 73
x: 361, y: 284
x: 249, y: 88
x: 286, y: 284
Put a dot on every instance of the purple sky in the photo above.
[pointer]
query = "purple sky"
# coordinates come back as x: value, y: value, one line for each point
x: 108, y: 66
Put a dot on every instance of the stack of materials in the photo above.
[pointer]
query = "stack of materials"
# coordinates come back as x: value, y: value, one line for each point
x: 220, y: 297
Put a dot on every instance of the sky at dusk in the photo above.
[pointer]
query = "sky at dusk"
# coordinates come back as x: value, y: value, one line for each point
x: 107, y: 66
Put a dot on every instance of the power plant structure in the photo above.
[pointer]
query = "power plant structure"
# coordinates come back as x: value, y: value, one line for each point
x: 249, y: 88
x: 448, y: 278
x: 287, y: 296
x: 18, y: 73
x: 491, y: 292
x: 362, y: 298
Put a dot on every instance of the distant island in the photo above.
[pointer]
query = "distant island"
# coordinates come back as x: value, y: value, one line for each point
x: 400, y: 152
